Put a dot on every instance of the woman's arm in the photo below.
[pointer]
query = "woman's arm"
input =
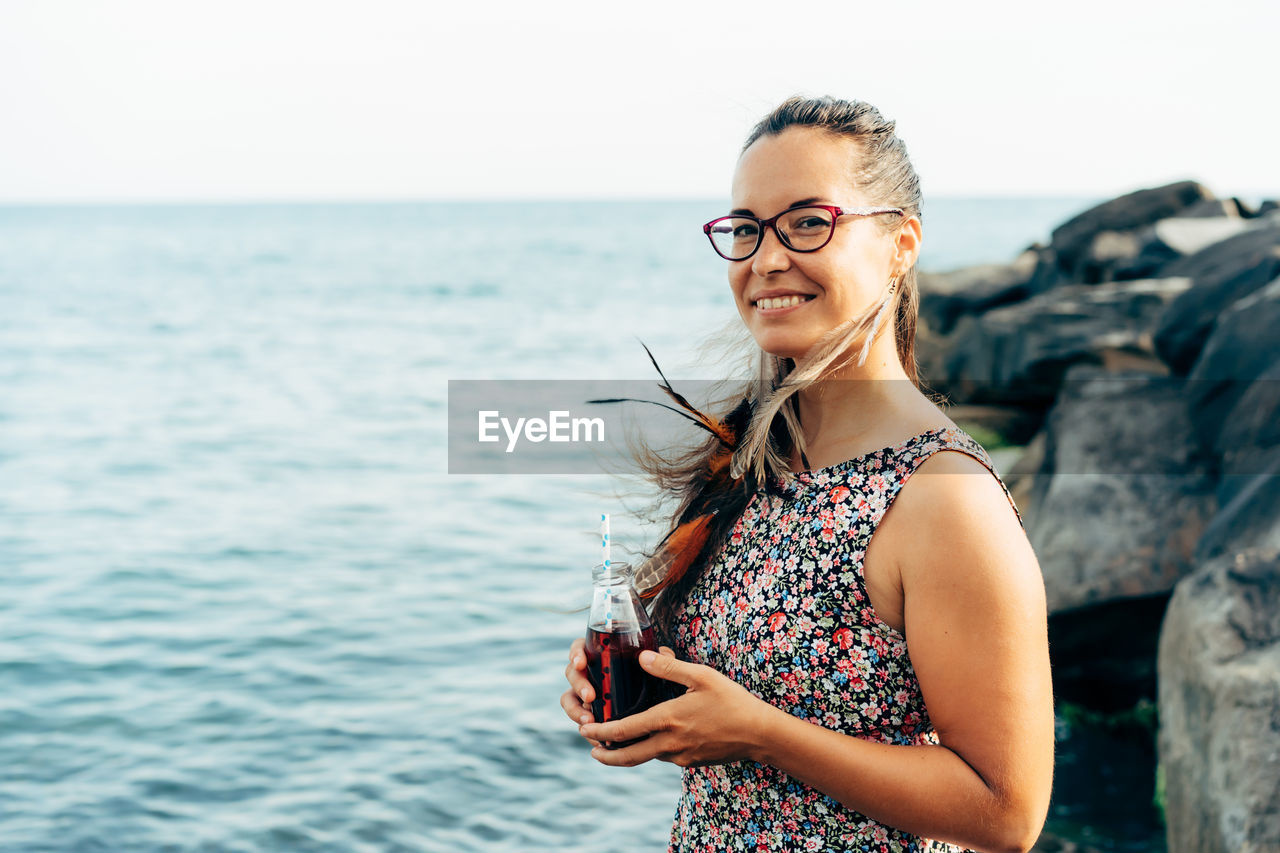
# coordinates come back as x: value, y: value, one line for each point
x: 976, y: 632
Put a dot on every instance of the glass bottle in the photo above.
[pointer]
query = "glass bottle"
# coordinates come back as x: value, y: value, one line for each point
x: 617, y: 632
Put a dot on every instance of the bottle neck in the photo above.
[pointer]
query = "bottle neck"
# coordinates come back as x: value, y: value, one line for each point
x: 614, y: 574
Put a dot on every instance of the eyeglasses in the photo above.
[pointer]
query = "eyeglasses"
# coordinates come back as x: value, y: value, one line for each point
x: 801, y: 229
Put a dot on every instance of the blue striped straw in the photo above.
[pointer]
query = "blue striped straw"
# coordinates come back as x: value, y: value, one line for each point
x: 604, y: 546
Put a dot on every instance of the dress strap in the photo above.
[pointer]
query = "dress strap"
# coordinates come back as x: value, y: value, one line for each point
x: 955, y: 439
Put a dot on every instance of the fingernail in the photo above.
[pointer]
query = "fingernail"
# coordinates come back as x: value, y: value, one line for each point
x: 583, y: 694
x: 585, y: 718
x: 647, y: 657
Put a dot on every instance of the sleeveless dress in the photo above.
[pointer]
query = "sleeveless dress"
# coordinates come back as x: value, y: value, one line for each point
x: 783, y: 610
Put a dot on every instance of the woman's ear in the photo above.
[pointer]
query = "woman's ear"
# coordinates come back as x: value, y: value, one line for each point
x: 907, y: 246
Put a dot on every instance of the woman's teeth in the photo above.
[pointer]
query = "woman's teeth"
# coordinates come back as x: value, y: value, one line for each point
x: 782, y: 301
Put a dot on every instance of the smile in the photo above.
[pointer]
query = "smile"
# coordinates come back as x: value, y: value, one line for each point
x: 778, y: 303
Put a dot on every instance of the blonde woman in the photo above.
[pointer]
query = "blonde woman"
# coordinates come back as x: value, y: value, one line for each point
x: 860, y: 628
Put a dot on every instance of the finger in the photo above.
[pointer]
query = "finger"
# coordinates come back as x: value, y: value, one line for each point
x: 671, y: 668
x: 581, y: 698
x: 629, y: 756
x: 576, y: 648
x: 628, y: 728
x: 580, y: 713
x: 666, y: 650
x: 577, y: 711
x: 580, y: 684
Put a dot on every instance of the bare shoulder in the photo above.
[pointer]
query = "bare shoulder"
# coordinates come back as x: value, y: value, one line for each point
x: 953, y: 493
x: 967, y: 554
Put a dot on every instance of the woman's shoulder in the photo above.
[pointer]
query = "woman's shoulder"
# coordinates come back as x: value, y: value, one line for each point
x: 955, y: 481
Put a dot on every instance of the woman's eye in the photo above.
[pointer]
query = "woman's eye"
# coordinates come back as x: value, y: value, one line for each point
x: 812, y: 222
x: 744, y: 232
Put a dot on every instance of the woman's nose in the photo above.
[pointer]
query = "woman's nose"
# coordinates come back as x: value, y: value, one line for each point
x: 772, y: 255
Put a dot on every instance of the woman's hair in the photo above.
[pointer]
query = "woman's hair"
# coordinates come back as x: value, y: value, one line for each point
x: 764, y: 412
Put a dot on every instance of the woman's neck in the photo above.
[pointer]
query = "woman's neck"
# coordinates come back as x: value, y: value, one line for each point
x: 866, y: 403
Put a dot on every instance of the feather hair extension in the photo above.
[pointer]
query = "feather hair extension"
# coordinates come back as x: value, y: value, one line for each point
x: 685, y: 543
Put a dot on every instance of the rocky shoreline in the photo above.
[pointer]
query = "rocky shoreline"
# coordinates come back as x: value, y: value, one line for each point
x: 1136, y: 359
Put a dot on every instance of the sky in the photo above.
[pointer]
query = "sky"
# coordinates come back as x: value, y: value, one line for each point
x: 134, y: 101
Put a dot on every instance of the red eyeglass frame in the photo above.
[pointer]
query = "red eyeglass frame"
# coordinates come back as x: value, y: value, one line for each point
x: 836, y: 213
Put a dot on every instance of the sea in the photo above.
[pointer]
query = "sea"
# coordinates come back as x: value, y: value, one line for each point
x: 243, y: 604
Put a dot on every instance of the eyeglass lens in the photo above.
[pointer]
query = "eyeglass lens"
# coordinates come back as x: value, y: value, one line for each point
x: 803, y: 229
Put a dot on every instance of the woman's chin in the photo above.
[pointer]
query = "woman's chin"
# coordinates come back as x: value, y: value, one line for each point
x: 783, y: 346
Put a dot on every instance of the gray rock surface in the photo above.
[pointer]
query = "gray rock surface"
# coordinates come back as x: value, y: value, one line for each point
x: 1186, y: 236
x: 1223, y: 273
x: 1250, y: 432
x: 945, y: 297
x: 1215, y: 207
x: 1241, y: 348
x: 1018, y: 354
x: 1072, y: 239
x: 1219, y: 706
x: 1250, y: 510
x: 1123, y: 493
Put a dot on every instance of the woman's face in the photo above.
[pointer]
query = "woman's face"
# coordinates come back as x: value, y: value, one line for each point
x: 844, y: 278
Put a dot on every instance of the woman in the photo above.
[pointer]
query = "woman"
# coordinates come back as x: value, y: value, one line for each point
x: 842, y: 691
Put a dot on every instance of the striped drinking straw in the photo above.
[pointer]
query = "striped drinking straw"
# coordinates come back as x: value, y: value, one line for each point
x: 604, y: 550
x: 606, y: 662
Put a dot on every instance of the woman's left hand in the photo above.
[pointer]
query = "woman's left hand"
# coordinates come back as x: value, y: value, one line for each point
x: 716, y: 721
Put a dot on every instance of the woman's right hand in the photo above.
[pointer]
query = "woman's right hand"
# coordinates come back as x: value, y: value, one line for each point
x: 576, y: 701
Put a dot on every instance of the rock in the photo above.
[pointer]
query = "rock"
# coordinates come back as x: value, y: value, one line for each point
x: 1219, y: 740
x: 1250, y: 431
x: 1107, y: 251
x: 1188, y: 236
x: 1017, y: 354
x: 1267, y: 207
x: 1250, y: 513
x: 1123, y: 494
x: 1020, y: 478
x: 1215, y: 207
x: 1147, y: 251
x: 1222, y: 274
x: 1072, y: 239
x: 944, y: 297
x: 1240, y: 349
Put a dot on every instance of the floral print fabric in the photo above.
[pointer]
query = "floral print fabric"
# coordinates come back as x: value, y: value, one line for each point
x: 783, y: 610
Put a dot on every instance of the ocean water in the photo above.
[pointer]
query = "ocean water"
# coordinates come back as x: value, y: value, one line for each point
x: 242, y: 605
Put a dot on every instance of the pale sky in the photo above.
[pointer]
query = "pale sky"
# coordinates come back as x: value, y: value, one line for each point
x: 151, y: 101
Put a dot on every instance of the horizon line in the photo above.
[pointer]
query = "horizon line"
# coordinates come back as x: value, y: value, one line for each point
x: 1256, y: 196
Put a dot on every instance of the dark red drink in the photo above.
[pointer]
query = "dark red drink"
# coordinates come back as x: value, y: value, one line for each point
x: 622, y: 686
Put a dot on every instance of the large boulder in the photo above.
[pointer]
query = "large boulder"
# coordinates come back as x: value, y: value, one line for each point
x: 1188, y: 235
x: 946, y: 296
x: 1146, y: 252
x: 1017, y: 354
x: 1250, y: 432
x: 1223, y: 273
x: 1241, y: 348
x: 1250, y: 510
x: 1219, y: 741
x: 1073, y: 239
x: 1214, y: 208
x: 1124, y: 491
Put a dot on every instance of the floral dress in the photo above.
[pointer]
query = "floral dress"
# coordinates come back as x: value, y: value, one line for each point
x: 783, y: 611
